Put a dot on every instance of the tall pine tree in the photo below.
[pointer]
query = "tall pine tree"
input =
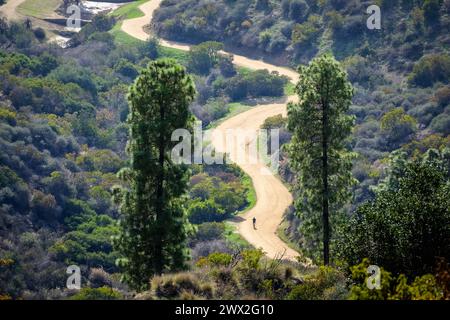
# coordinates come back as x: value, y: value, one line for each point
x: 318, y: 150
x: 153, y: 223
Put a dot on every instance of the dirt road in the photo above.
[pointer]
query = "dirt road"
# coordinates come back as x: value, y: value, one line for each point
x: 11, y: 12
x: 273, y: 198
x: 9, y: 9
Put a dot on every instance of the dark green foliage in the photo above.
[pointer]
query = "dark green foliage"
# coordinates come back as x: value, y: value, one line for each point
x: 318, y: 151
x: 103, y: 293
x: 442, y: 96
x: 408, y: 224
x: 100, y: 23
x: 205, y: 211
x: 126, y: 68
x: 204, y: 56
x: 103, y: 37
x: 153, y: 224
x: 251, y: 84
x: 150, y: 48
x: 425, y: 287
x: 209, y: 231
x: 80, y: 76
x: 326, y: 284
x: 431, y: 10
x: 397, y: 128
x: 90, y: 244
x: 181, y: 286
x: 295, y: 30
x: 306, y: 34
x: 39, y: 33
x: 262, y: 4
x: 430, y: 69
x: 216, y: 197
x: 441, y: 123
x: 55, y: 201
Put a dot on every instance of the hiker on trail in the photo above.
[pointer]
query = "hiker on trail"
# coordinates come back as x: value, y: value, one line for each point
x: 254, y: 223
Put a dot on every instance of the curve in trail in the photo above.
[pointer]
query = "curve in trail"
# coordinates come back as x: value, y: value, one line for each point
x: 11, y: 12
x: 273, y: 198
x: 9, y: 9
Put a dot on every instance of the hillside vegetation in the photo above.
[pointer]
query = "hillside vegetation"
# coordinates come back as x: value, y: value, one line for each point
x: 63, y: 133
x: 77, y: 154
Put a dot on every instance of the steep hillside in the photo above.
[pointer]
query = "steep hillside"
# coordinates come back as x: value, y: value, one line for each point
x: 68, y: 115
x: 298, y: 29
x: 401, y: 73
x: 63, y: 131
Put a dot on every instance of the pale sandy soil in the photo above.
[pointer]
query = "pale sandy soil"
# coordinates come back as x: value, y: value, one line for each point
x: 273, y: 198
x: 9, y: 9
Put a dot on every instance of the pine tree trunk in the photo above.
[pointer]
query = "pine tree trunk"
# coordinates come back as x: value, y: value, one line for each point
x: 158, y: 262
x: 325, y: 194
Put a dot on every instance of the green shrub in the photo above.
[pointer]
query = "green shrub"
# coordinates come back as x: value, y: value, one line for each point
x: 174, y: 286
x: 210, y: 231
x: 103, y: 293
x: 431, y: 69
x: 425, y: 287
x: 442, y: 96
x: 150, y: 48
x: 39, y: 33
x: 306, y: 34
x: 407, y: 225
x: 326, y: 282
x: 249, y: 269
x: 215, y: 259
x: 8, y: 116
x: 441, y: 124
x: 126, y: 68
x: 398, y: 127
x: 431, y: 10
x: 204, y: 56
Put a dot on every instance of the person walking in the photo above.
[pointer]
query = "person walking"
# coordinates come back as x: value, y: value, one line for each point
x: 254, y: 223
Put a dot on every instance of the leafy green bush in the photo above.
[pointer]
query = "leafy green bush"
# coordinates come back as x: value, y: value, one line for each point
x: 215, y: 199
x: 8, y: 116
x: 398, y: 127
x: 431, y: 12
x: 204, y: 56
x: 407, y: 225
x: 209, y: 231
x: 126, y: 68
x: 306, y: 34
x: 215, y: 259
x: 431, y: 69
x: 150, y: 48
x: 442, y: 96
x: 205, y: 211
x: 174, y: 286
x: 39, y: 33
x: 425, y: 287
x: 103, y: 293
x: 441, y: 124
x: 326, y: 283
x: 252, y: 84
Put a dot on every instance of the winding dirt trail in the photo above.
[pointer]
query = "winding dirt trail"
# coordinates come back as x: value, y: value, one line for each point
x: 273, y: 198
x: 9, y: 9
